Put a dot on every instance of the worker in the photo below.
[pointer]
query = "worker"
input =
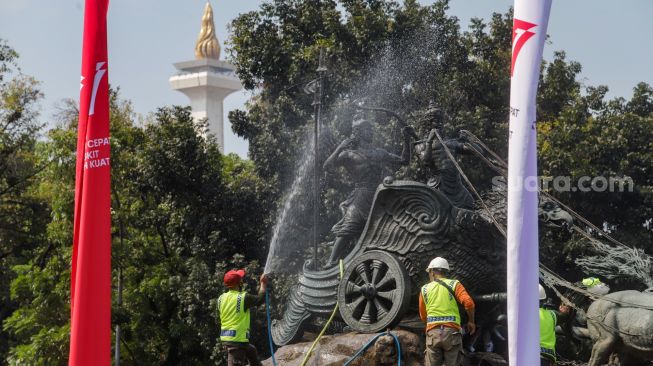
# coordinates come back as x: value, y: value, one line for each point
x: 438, y: 307
x: 595, y: 286
x: 234, y: 306
x: 548, y: 321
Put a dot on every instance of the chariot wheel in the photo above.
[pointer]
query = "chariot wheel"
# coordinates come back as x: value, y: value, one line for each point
x: 374, y: 292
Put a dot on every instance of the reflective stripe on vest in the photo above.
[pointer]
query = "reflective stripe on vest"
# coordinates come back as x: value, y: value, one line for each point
x: 233, y: 317
x: 547, y: 333
x: 441, y: 305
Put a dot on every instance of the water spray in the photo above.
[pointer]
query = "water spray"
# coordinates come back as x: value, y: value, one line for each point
x: 402, y: 122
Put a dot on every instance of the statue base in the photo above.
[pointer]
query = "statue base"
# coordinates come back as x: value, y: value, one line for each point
x: 334, y: 350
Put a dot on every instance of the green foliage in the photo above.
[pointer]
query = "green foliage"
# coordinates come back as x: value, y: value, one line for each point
x: 194, y: 209
x: 595, y: 137
x: 43, y: 313
x: 22, y: 213
x: 180, y: 211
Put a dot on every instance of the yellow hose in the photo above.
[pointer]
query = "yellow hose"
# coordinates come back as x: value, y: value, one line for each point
x: 333, y: 314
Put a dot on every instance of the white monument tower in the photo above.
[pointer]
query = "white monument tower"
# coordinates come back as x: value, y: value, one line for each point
x: 207, y: 80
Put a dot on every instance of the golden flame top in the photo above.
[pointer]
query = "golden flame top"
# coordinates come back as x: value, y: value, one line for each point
x: 207, y: 45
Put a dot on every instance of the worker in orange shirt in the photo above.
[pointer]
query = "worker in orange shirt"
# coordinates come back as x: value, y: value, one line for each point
x: 438, y: 307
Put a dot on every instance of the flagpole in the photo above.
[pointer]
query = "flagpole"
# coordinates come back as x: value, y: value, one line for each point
x: 529, y: 33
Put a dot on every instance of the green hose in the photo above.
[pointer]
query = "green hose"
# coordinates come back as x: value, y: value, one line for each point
x: 333, y: 314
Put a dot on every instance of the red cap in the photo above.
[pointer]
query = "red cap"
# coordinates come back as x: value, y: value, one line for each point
x: 233, y: 277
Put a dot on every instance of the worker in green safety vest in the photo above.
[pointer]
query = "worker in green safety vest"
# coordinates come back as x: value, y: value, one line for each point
x: 548, y: 321
x: 438, y: 307
x: 234, y: 308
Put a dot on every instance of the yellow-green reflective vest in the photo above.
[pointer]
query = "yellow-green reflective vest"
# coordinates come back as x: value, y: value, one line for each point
x: 233, y: 316
x: 441, y: 305
x: 548, y: 334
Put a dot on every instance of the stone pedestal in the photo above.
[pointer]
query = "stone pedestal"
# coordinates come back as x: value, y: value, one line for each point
x: 206, y: 82
x: 334, y: 350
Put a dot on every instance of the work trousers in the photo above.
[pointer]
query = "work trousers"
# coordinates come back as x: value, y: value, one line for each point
x: 241, y: 354
x: 444, y: 345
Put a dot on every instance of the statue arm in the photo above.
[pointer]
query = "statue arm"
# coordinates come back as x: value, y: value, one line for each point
x: 333, y: 159
x: 468, y: 148
x: 471, y: 148
x: 406, y: 152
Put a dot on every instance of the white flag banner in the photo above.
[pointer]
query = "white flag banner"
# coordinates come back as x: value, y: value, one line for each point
x: 529, y: 32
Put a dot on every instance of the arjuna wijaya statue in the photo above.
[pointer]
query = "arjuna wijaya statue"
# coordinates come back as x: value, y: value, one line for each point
x: 396, y: 226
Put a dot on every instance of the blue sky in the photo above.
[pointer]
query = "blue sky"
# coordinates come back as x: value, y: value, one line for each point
x: 610, y: 39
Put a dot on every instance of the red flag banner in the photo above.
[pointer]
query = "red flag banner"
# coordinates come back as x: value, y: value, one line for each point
x: 90, y: 336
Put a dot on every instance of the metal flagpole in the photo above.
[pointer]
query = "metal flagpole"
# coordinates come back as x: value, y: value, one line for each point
x: 317, y: 105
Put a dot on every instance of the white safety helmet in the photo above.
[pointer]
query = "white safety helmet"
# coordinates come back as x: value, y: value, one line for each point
x: 542, y: 293
x: 438, y: 263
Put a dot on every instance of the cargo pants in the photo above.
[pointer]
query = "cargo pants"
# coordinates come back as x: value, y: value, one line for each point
x: 444, y: 345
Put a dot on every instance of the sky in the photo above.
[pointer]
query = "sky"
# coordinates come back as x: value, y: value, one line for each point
x: 610, y: 39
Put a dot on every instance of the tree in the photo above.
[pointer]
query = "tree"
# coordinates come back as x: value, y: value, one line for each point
x: 22, y: 214
x: 604, y: 140
x: 191, y: 210
x: 181, y: 213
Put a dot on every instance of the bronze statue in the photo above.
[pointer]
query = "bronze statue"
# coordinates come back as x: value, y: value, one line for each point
x: 365, y: 165
x: 444, y: 175
x: 406, y: 225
